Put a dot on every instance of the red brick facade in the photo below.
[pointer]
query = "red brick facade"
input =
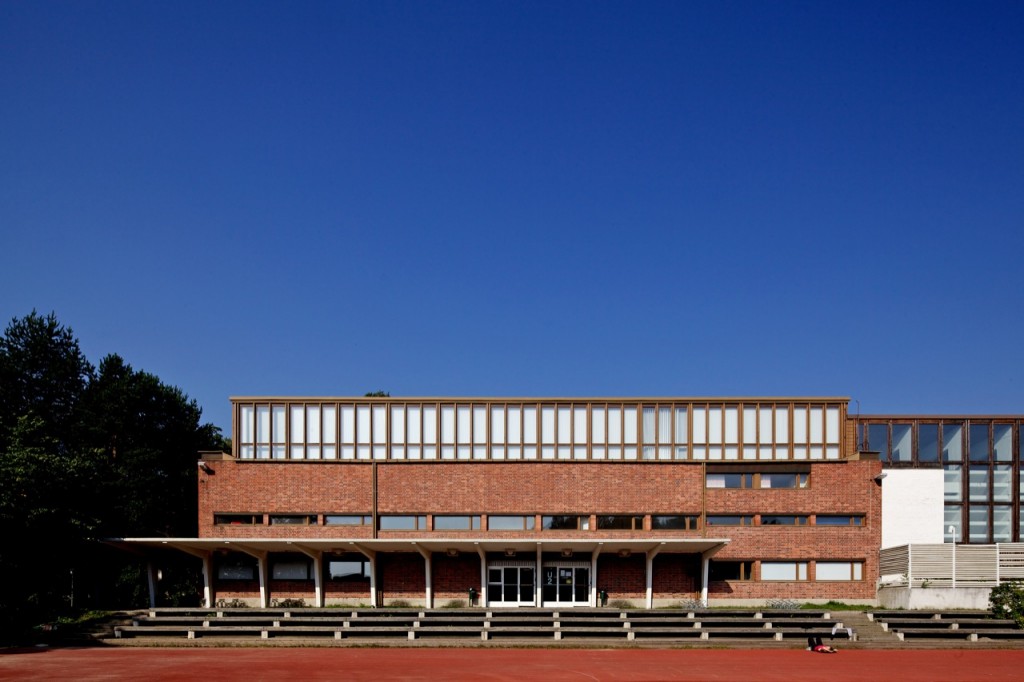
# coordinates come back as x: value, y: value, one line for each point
x: 534, y: 489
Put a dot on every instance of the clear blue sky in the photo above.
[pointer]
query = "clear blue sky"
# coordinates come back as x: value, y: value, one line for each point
x: 519, y: 198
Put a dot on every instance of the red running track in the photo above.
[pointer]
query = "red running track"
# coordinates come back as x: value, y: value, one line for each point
x: 495, y: 665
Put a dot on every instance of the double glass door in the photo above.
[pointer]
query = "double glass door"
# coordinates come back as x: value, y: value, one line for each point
x: 510, y: 585
x: 565, y: 585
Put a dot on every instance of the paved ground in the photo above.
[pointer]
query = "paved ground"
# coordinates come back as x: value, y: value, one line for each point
x: 497, y: 665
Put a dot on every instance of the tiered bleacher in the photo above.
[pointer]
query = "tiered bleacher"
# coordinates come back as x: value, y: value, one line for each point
x: 483, y: 624
x: 970, y: 625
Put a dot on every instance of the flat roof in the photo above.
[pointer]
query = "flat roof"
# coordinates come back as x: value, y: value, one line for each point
x: 707, y: 546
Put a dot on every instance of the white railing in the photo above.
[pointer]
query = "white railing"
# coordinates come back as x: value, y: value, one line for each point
x: 950, y: 565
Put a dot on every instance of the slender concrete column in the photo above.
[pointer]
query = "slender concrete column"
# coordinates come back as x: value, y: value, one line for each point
x: 483, y: 576
x: 593, y: 574
x: 151, y: 571
x: 318, y: 573
x: 428, y: 601
x: 207, y: 559
x: 372, y: 556
x: 650, y: 576
x: 539, y: 572
x: 705, y: 565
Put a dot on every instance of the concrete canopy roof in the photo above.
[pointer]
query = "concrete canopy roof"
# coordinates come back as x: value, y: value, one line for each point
x: 200, y: 546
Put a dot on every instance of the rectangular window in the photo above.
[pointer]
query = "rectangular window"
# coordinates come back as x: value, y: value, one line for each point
x: 783, y: 570
x: 456, y: 523
x: 838, y: 520
x: 401, y: 522
x: 511, y: 522
x: 1002, y: 483
x: 730, y: 480
x: 293, y: 519
x: 928, y: 443
x: 347, y: 520
x: 530, y: 426
x: 757, y: 480
x: 952, y: 517
x: 977, y: 484
x: 878, y: 440
x: 292, y: 569
x: 238, y: 519
x: 348, y: 570
x: 977, y: 523
x: 952, y: 443
x: 1002, y: 520
x: 783, y: 520
x: 1002, y: 442
x: 838, y: 570
x: 952, y: 481
x: 729, y: 520
x: 902, y: 450
x: 236, y: 567
x: 620, y: 522
x: 978, y: 434
x: 795, y: 480
x: 675, y: 522
x: 565, y: 522
x: 730, y: 570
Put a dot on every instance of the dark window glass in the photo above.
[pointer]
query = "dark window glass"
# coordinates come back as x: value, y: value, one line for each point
x: 620, y: 522
x: 674, y: 522
x: 878, y: 440
x: 979, y: 442
x: 729, y: 570
x: 838, y: 520
x: 783, y: 520
x: 729, y: 520
x: 928, y: 443
x: 403, y: 522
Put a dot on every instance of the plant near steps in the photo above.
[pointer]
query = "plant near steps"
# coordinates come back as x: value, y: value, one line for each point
x: 1007, y: 601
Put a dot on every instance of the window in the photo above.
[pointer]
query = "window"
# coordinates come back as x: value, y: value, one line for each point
x: 338, y: 569
x: 293, y: 519
x: 690, y: 522
x: 565, y: 523
x: 727, y: 520
x: 782, y: 520
x: 730, y: 570
x: 783, y: 570
x: 838, y: 520
x: 784, y: 480
x: 403, y: 522
x: 838, y: 570
x: 236, y: 567
x: 928, y: 443
x: 346, y: 520
x: 238, y: 519
x: 510, y: 522
x: 764, y: 480
x: 456, y: 523
x: 730, y: 480
x: 620, y: 522
x: 291, y: 568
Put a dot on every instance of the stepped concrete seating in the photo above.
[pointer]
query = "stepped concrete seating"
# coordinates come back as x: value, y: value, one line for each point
x: 969, y: 625
x: 484, y: 624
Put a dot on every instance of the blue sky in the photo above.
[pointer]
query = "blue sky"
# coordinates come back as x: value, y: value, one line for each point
x: 524, y: 199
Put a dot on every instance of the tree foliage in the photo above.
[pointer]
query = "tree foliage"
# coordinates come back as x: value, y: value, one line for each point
x: 85, y: 454
x: 1006, y: 600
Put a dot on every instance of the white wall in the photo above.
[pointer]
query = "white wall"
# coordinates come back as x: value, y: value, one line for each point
x: 912, y: 507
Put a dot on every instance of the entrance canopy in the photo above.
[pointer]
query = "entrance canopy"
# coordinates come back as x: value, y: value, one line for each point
x: 704, y: 546
x: 509, y: 548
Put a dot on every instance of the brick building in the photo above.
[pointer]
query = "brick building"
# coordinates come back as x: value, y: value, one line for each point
x: 552, y: 502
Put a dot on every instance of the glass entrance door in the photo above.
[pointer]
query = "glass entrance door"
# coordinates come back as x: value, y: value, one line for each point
x: 510, y: 586
x: 566, y: 585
